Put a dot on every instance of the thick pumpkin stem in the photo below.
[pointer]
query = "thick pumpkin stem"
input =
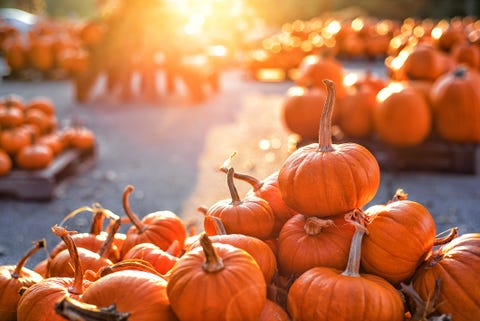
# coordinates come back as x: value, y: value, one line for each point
x: 325, y: 131
x: 213, y: 263
x: 354, y: 257
x: 61, y: 232
x: 452, y: 233
x: 314, y: 225
x: 231, y: 186
x: 75, y: 310
x: 131, y: 215
x: 131, y: 264
x: 255, y: 183
x: 400, y: 195
x: 17, y: 273
x: 97, y: 222
x: 422, y: 309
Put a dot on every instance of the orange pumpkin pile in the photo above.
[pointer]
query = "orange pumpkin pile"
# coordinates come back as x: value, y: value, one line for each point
x: 301, y: 244
x: 30, y: 137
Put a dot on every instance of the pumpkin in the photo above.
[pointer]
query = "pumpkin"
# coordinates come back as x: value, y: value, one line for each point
x: 44, y: 122
x: 161, y: 260
x: 467, y: 53
x: 267, y: 189
x: 37, y: 303
x: 161, y: 228
x: 78, y: 136
x: 356, y: 111
x: 324, y: 179
x: 456, y: 106
x: 301, y: 110
x: 40, y: 53
x: 5, y: 163
x: 314, y: 68
x: 72, y: 309
x: 402, y: 116
x: 12, y: 279
x: 216, y: 282
x: 42, y: 103
x: 10, y: 115
x: 273, y: 312
x: 15, y: 53
x: 251, y: 215
x: 324, y: 293
x: 258, y: 249
x: 35, y: 156
x: 424, y: 62
x: 456, y: 265
x: 141, y: 294
x: 14, y: 139
x: 401, y: 235
x: 308, y: 241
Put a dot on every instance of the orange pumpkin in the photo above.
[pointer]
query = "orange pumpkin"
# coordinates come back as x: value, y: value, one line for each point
x: 456, y: 106
x: 324, y: 179
x: 402, y: 116
x: 35, y: 156
x: 216, y: 282
x: 5, y: 163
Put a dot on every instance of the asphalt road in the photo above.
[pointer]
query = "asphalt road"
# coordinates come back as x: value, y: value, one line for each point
x: 170, y: 150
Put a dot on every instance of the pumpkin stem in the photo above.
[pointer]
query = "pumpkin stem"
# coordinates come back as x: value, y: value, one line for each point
x: 97, y: 222
x: 128, y: 264
x: 314, y: 225
x: 17, y: 273
x: 74, y: 213
x: 213, y: 263
x: 452, y: 233
x: 353, y: 264
x: 400, y: 195
x: 72, y: 309
x: 77, y: 287
x: 255, y: 183
x: 231, y: 186
x: 419, y: 308
x: 131, y: 215
x: 325, y: 131
x: 104, y: 250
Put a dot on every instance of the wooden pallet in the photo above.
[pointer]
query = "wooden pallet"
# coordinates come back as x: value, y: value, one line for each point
x: 40, y: 185
x: 433, y: 155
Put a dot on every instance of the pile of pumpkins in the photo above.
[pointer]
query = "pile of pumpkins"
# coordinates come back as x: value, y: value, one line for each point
x: 30, y: 137
x: 297, y: 246
x: 431, y: 92
x: 50, y: 48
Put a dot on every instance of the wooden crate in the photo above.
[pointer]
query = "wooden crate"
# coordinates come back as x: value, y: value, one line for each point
x: 40, y: 185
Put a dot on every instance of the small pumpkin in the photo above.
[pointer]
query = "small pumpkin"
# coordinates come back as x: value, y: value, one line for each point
x: 324, y: 179
x: 5, y: 163
x: 216, y: 282
x: 35, y: 156
x: 14, y: 139
x: 161, y: 260
x: 251, y: 215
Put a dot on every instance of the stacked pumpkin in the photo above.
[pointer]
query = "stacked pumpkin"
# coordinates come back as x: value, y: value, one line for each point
x: 30, y: 137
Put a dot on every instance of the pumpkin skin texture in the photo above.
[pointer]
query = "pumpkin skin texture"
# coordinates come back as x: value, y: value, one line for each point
x: 401, y: 235
x: 402, y: 117
x: 142, y: 294
x: 307, y: 241
x: 5, y: 163
x: 324, y: 179
x: 273, y: 312
x: 457, y: 264
x: 161, y: 260
x: 216, y: 282
x: 324, y: 293
x: 456, y: 106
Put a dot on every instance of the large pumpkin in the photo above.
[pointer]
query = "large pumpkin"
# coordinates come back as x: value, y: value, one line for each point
x: 325, y: 179
x: 455, y: 100
x: 457, y: 266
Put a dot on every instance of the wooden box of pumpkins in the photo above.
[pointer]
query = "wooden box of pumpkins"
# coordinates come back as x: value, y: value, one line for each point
x: 35, y: 154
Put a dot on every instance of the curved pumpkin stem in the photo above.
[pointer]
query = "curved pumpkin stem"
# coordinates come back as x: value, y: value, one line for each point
x: 72, y: 309
x: 400, y: 195
x: 131, y: 215
x: 131, y: 264
x: 213, y: 263
x: 420, y: 308
x: 354, y: 257
x: 254, y: 182
x: 17, y: 273
x: 452, y: 233
x: 231, y: 186
x: 104, y: 250
x: 77, y: 287
x: 325, y: 131
x: 314, y: 225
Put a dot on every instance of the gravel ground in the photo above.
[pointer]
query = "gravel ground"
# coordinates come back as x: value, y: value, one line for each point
x: 170, y: 151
